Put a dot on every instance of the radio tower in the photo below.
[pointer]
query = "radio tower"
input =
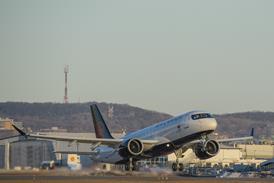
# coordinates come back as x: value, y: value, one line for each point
x: 110, y: 112
x: 66, y: 69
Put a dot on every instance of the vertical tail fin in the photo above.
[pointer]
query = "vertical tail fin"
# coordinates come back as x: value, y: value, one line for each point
x: 101, y: 129
x: 252, y: 132
x: 21, y: 132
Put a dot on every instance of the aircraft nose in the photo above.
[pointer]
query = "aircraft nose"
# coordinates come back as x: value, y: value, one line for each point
x: 212, y: 124
x: 208, y: 124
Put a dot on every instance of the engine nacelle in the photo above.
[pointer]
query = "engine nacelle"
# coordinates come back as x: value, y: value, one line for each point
x: 132, y: 147
x: 207, y: 149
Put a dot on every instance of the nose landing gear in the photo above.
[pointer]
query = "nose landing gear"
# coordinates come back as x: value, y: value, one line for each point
x: 176, y: 165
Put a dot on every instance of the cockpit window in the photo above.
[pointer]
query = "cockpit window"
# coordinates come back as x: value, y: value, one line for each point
x: 200, y: 116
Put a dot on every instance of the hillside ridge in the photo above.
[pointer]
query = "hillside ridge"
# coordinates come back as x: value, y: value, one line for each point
x: 76, y: 117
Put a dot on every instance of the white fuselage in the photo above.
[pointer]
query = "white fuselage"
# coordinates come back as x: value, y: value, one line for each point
x: 177, y: 131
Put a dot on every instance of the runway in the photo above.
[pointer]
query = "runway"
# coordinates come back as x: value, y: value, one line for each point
x: 47, y: 178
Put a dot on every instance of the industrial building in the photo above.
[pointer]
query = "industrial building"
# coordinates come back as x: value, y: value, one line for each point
x: 5, y: 124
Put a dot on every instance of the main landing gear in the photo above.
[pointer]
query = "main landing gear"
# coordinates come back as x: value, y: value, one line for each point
x: 178, y: 166
x: 131, y: 165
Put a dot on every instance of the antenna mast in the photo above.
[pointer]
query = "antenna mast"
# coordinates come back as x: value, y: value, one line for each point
x: 66, y: 70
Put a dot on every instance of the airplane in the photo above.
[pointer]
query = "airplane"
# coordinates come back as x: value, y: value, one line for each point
x: 175, y: 135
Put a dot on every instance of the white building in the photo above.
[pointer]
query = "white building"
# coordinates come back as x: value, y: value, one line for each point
x: 226, y: 157
x: 256, y: 151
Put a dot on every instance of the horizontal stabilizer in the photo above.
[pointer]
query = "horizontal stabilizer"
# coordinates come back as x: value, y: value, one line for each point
x: 252, y: 132
x: 251, y: 137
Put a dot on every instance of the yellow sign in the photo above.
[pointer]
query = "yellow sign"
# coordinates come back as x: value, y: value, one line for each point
x: 72, y: 158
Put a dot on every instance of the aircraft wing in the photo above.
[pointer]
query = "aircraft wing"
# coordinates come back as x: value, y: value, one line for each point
x: 98, y: 141
x: 76, y: 152
x: 102, y: 141
x: 77, y: 139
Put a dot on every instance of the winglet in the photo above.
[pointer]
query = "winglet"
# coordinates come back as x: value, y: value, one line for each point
x: 21, y: 132
x: 252, y: 132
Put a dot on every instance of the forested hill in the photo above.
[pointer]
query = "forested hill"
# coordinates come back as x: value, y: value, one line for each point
x: 76, y: 117
x: 238, y: 124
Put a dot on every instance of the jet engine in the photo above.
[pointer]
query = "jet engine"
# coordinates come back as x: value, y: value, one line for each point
x: 207, y: 149
x: 132, y: 147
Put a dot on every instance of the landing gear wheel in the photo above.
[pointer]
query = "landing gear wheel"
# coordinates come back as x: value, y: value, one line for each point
x: 127, y: 167
x: 181, y: 167
x: 174, y: 167
x: 135, y: 166
x: 131, y: 165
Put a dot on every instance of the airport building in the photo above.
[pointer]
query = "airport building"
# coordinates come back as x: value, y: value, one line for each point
x: 17, y: 151
x: 225, y: 158
x: 256, y: 151
x: 30, y: 153
x: 5, y: 124
x: 246, y: 154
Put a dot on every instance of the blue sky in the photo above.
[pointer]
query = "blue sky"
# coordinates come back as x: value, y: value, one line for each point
x: 170, y: 56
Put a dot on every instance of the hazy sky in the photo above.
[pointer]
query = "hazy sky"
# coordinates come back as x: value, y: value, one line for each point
x: 169, y: 56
